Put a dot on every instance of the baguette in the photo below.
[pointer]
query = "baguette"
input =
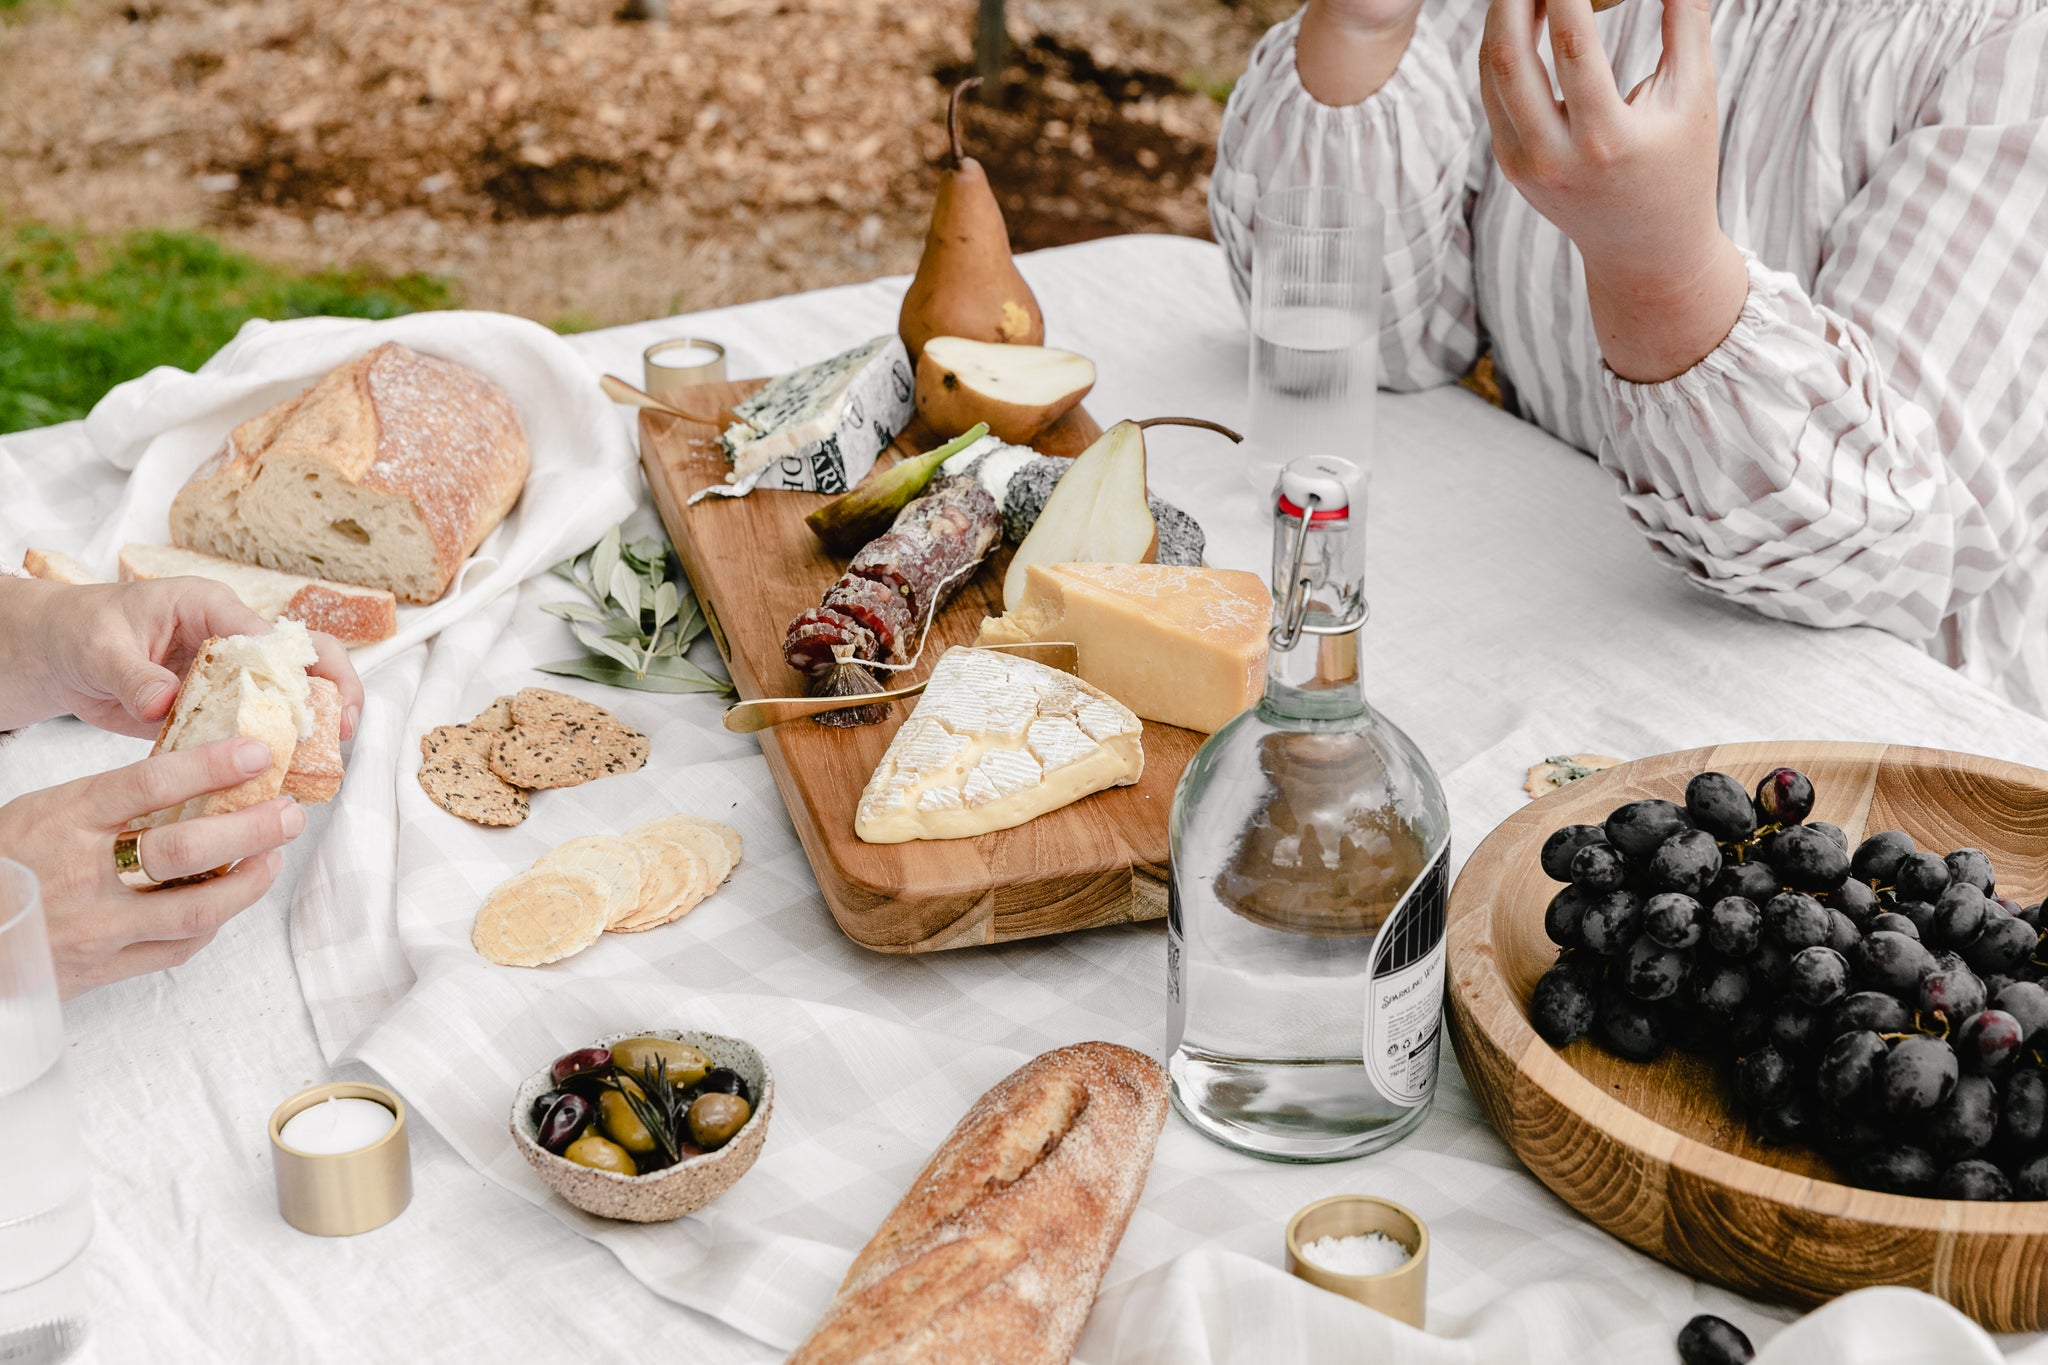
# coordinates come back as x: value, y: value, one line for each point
x: 351, y: 614
x: 995, y: 1254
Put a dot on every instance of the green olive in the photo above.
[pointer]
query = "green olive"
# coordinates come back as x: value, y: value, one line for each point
x: 616, y: 1117
x: 714, y: 1118
x: 685, y: 1065
x: 601, y: 1155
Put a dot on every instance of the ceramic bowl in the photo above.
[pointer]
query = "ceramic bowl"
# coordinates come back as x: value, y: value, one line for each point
x: 658, y: 1196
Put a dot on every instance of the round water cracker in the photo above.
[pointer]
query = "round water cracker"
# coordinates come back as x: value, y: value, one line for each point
x: 616, y: 863
x: 693, y: 834
x: 455, y: 772
x: 565, y: 753
x: 539, y: 917
x: 690, y: 881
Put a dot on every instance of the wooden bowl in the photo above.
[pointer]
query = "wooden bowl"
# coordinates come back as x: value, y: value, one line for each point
x: 1656, y: 1153
x: 658, y: 1196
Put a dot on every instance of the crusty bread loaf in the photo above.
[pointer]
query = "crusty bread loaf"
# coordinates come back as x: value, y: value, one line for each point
x: 315, y: 774
x: 57, y: 567
x: 388, y: 473
x: 351, y: 614
x: 995, y: 1254
x: 255, y: 686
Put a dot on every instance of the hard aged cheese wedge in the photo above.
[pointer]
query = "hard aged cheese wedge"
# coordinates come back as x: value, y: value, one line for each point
x: 996, y: 740
x: 1177, y: 645
x: 821, y: 427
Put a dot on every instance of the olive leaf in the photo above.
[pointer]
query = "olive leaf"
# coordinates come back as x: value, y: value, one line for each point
x: 638, y: 623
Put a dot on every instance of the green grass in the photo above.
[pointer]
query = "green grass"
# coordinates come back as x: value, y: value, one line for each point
x: 80, y: 315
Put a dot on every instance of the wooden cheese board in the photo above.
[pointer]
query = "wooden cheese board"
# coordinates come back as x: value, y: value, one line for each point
x: 1657, y: 1153
x: 753, y: 565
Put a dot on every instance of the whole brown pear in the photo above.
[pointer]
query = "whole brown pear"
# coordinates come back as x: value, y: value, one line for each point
x: 966, y: 284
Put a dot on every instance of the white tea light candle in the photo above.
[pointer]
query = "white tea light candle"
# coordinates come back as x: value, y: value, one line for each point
x: 669, y: 367
x: 687, y: 356
x: 337, y: 1124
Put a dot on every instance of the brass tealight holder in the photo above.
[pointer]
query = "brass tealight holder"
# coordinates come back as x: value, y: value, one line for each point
x: 679, y: 363
x: 1399, y: 1293
x: 344, y: 1193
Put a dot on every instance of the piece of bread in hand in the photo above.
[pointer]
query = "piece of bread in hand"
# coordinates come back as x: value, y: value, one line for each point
x: 56, y: 567
x: 352, y: 614
x: 388, y: 473
x: 255, y: 686
x: 995, y: 1254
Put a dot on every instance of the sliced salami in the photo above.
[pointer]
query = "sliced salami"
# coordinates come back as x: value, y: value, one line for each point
x: 814, y: 636
x: 882, y: 611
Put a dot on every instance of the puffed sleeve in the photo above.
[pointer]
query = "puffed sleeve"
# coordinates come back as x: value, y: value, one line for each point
x: 1410, y: 145
x: 1870, y: 450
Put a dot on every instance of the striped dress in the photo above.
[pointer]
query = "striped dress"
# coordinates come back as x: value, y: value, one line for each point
x: 1869, y: 446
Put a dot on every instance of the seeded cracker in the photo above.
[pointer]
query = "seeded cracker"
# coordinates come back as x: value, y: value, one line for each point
x: 565, y: 753
x: 539, y: 917
x: 496, y: 716
x: 537, y: 705
x: 455, y: 771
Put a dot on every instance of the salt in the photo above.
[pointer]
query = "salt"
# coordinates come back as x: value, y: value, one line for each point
x: 1372, y: 1253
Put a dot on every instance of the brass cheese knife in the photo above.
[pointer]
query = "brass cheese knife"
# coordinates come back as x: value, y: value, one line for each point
x: 745, y: 717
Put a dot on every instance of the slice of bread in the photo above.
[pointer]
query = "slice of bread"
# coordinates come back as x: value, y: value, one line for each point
x: 351, y: 614
x: 57, y: 568
x: 315, y: 774
x: 255, y: 686
x: 388, y: 472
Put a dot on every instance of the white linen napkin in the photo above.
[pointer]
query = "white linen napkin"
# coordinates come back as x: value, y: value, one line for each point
x: 584, y: 476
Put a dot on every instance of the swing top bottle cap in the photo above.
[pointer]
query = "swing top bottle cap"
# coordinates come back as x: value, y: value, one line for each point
x: 1322, y: 484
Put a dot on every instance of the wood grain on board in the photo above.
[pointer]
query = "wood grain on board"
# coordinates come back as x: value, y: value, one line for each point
x: 1657, y: 1153
x: 754, y: 565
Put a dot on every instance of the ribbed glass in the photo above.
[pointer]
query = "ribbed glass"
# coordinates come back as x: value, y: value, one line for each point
x: 45, y: 1202
x: 1315, y: 308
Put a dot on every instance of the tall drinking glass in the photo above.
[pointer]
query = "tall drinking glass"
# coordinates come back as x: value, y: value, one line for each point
x: 45, y: 1205
x: 1315, y: 322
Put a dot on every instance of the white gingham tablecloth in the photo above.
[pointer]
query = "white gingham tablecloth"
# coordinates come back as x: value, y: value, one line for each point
x: 1515, y: 615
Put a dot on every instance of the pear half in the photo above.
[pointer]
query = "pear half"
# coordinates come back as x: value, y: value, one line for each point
x: 1097, y: 513
x: 1018, y: 390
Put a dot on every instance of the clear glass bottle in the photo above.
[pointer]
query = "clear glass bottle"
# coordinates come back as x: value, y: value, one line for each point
x: 1311, y: 849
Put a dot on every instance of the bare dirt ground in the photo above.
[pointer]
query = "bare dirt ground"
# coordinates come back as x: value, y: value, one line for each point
x: 559, y: 161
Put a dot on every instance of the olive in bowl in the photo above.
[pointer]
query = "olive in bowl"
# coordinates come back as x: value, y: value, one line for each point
x: 611, y: 1128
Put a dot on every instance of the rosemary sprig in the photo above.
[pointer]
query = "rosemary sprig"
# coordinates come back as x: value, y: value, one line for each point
x: 637, y: 624
x: 658, y: 1105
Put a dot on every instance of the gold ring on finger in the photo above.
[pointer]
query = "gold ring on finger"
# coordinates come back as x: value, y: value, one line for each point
x: 128, y: 861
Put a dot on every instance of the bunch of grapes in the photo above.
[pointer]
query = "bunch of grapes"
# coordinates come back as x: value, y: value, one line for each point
x: 1884, y: 1006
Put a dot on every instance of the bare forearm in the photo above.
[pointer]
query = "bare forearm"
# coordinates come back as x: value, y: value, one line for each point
x: 1344, y: 58
x: 24, y: 691
x: 1656, y: 327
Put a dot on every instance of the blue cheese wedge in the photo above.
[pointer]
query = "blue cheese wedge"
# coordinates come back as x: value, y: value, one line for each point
x: 997, y: 740
x: 820, y: 428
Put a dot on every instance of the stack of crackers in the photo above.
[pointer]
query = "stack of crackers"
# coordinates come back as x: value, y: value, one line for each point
x: 653, y: 875
x: 531, y: 740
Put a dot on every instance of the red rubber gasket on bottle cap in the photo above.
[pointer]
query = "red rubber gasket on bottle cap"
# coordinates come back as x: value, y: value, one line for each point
x: 1289, y: 508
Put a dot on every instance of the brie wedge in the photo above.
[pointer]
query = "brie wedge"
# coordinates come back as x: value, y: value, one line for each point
x: 996, y: 740
x: 820, y: 428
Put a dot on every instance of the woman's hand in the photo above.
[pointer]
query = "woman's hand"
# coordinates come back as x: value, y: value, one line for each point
x: 113, y: 654
x: 1632, y: 181
x: 102, y: 930
x: 1347, y: 49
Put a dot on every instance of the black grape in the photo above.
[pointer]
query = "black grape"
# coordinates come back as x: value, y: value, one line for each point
x: 1895, y: 1170
x: 1854, y: 899
x: 1847, y: 1073
x: 1807, y: 858
x: 1972, y: 867
x: 1871, y: 1010
x: 1673, y: 919
x: 2030, y: 1181
x: 2023, y: 1112
x: 1612, y: 922
x: 2027, y: 1002
x: 1784, y: 797
x: 1877, y: 858
x: 1562, y: 1007
x: 1916, y: 1076
x: 1796, y: 920
x: 1989, y: 1040
x: 1597, y: 868
x: 2005, y: 946
x: 1721, y: 991
x: 1921, y: 877
x: 1640, y: 826
x: 1560, y: 847
x: 1891, y: 923
x: 1733, y: 926
x: 1687, y: 862
x: 1818, y: 977
x: 1893, y: 962
x: 1708, y: 1340
x: 1953, y: 993
x: 1764, y: 1078
x: 1632, y: 1029
x: 1650, y: 971
x: 1973, y: 1179
x: 1753, y: 880
x: 1958, y: 915
x: 1965, y: 1123
x: 1567, y: 912
x: 1718, y: 804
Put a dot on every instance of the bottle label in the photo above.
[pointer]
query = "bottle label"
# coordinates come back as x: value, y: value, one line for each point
x: 1404, y: 1006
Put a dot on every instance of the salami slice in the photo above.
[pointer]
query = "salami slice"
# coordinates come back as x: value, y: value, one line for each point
x: 814, y: 636
x: 879, y: 609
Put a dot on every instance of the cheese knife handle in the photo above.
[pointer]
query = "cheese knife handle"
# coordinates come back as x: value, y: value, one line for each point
x: 746, y: 717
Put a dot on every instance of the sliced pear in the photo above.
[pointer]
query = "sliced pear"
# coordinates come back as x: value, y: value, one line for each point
x: 1097, y: 513
x: 1018, y: 390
